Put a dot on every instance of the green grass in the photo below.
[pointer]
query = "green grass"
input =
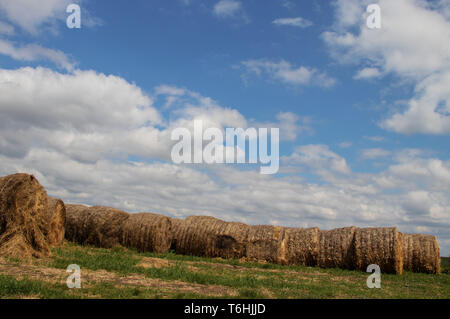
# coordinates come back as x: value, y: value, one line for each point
x: 13, y: 288
x: 445, y: 264
x: 246, y: 280
x: 116, y: 259
x: 25, y: 288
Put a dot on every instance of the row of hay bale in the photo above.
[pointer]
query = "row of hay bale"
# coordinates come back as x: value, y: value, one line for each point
x: 107, y: 227
x: 347, y: 248
x: 30, y: 221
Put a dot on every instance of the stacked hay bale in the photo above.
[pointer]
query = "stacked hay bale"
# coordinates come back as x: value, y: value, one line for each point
x: 421, y: 254
x: 24, y: 218
x: 380, y: 246
x: 147, y: 232
x: 98, y: 226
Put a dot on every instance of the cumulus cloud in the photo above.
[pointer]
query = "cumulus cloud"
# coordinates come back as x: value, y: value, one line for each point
x: 34, y: 52
x: 81, y: 114
x: 30, y: 15
x: 34, y: 17
x: 429, y: 111
x: 433, y: 174
x: 318, y: 157
x: 412, y: 44
x: 290, y: 125
x: 88, y: 115
x: 418, y: 202
x: 293, y: 22
x: 286, y: 73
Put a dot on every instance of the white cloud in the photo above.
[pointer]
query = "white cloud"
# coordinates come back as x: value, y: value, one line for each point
x: 433, y: 174
x: 412, y: 40
x: 443, y: 6
x: 294, y: 22
x: 6, y: 28
x: 227, y: 8
x: 88, y: 98
x: 169, y: 90
x: 88, y: 115
x: 349, y: 12
x: 374, y: 153
x: 429, y: 111
x: 83, y: 114
x: 418, y: 202
x: 30, y: 15
x: 318, y: 157
x: 171, y: 93
x: 34, y: 52
x: 34, y: 17
x: 413, y: 44
x: 287, y: 73
x: 367, y: 73
x: 290, y: 125
x: 288, y: 5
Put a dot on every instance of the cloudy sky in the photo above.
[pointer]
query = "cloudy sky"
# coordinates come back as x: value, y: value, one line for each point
x: 364, y: 114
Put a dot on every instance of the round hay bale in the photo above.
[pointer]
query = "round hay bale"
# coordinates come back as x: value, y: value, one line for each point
x: 77, y: 217
x: 23, y: 207
x: 177, y: 229
x: 264, y: 243
x: 56, y: 220
x: 300, y: 246
x: 209, y: 237
x: 97, y: 226
x: 335, y: 248
x: 380, y: 246
x: 421, y: 254
x: 147, y: 232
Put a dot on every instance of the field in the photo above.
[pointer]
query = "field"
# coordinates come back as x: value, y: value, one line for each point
x: 124, y: 273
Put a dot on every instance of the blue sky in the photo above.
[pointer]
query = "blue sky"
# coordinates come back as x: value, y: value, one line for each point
x: 364, y: 114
